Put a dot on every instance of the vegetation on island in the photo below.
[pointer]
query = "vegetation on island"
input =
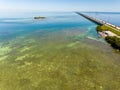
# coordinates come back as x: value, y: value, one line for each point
x: 100, y: 28
x: 107, y: 28
x: 39, y: 17
x: 113, y: 40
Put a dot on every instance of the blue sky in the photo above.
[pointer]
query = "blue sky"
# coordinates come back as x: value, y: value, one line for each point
x: 59, y: 5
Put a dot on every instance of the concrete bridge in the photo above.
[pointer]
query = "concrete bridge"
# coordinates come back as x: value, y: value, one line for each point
x: 95, y: 20
x: 99, y: 21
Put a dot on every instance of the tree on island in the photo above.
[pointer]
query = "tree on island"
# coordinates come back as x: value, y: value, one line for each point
x: 114, y: 41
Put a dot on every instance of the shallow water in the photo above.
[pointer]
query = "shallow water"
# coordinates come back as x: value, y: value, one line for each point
x: 62, y: 52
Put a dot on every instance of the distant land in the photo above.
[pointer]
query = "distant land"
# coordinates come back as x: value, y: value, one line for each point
x: 39, y: 17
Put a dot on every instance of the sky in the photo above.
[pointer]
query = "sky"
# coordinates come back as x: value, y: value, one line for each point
x: 59, y: 5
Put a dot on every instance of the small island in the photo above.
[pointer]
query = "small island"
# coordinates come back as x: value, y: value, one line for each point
x: 39, y: 17
x: 111, y: 35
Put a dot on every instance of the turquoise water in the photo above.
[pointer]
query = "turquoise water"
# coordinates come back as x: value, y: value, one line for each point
x: 61, y: 52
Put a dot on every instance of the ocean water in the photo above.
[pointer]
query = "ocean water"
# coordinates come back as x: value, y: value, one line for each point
x: 61, y: 52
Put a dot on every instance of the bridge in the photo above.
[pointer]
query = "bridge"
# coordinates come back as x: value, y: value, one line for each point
x: 99, y: 21
x: 95, y: 20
